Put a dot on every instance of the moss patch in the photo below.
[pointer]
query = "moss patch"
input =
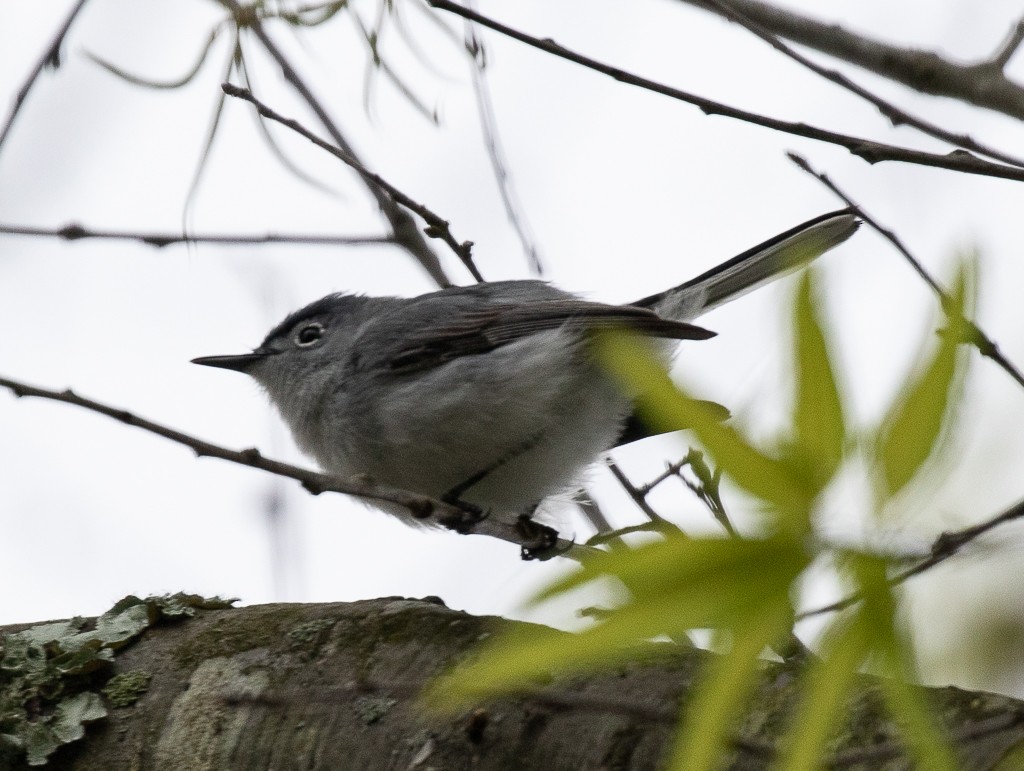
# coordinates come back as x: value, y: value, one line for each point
x: 125, y: 689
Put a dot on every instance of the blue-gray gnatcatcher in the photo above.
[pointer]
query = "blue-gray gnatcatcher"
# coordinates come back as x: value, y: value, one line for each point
x: 483, y: 395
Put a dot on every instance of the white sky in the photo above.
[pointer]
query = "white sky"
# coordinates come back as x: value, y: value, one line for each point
x: 627, y: 192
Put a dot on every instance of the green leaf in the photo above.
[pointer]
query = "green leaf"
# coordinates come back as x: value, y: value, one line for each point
x: 823, y: 695
x: 667, y: 408
x: 717, y: 705
x: 910, y: 433
x: 924, y: 739
x: 661, y: 566
x: 906, y: 702
x: 676, y: 585
x: 818, y: 422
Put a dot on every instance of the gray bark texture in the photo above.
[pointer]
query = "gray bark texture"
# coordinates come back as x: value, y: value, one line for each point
x: 334, y: 686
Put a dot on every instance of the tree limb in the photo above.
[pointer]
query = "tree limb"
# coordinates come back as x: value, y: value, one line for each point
x: 982, y: 84
x: 405, y: 231
x: 866, y: 149
x: 75, y: 232
x: 437, y: 226
x: 334, y: 686
x: 419, y: 506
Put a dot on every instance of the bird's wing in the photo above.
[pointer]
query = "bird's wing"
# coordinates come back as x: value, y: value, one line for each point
x: 483, y: 328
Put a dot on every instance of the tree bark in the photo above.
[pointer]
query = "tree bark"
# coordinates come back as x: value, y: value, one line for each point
x: 335, y: 686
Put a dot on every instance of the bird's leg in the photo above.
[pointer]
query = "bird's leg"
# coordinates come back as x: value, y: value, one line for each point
x: 454, y: 496
x: 473, y: 513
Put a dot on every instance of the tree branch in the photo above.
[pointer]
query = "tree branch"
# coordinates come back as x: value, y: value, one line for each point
x: 982, y: 84
x: 50, y: 58
x: 944, y: 547
x: 407, y: 235
x: 249, y: 669
x: 896, y: 115
x: 75, y: 232
x: 437, y: 227
x: 866, y: 149
x: 974, y: 335
x: 489, y: 126
x: 419, y: 506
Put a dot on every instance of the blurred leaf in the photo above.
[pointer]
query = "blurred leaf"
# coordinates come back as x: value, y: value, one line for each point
x: 665, y: 407
x: 872, y: 632
x: 818, y: 411
x: 721, y: 695
x: 906, y: 702
x: 823, y: 695
x: 675, y: 585
x: 910, y: 433
x: 679, y: 560
x: 924, y: 738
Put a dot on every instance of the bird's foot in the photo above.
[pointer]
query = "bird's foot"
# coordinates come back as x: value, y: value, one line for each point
x: 540, y: 542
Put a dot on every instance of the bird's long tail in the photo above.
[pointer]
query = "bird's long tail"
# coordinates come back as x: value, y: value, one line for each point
x: 757, y: 266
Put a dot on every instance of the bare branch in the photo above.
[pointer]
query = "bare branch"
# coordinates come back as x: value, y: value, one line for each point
x: 896, y: 115
x: 419, y: 506
x: 944, y: 547
x: 982, y: 84
x: 489, y: 125
x: 436, y: 226
x: 50, y: 58
x: 974, y: 335
x: 609, y: 537
x: 1009, y: 48
x: 866, y: 149
x: 638, y: 498
x: 592, y: 512
x: 407, y: 235
x: 75, y: 232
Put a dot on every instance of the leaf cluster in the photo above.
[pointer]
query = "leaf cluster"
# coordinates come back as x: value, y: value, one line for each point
x: 745, y: 588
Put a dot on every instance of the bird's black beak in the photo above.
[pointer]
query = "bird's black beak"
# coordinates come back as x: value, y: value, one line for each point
x: 239, y: 362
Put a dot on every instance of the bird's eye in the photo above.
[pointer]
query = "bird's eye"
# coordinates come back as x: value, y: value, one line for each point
x: 309, y: 334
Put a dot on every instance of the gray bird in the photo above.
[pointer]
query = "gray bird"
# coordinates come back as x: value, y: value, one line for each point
x: 484, y: 396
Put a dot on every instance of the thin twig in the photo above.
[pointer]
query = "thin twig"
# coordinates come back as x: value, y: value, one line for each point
x: 974, y: 334
x: 639, y: 499
x: 489, y: 126
x: 709, y: 497
x: 983, y: 84
x: 50, y: 58
x: 1006, y: 51
x: 76, y: 232
x: 407, y: 235
x: 592, y: 512
x: 896, y: 115
x: 436, y: 226
x: 944, y: 547
x: 866, y: 149
x: 671, y: 470
x: 610, y: 536
x: 419, y: 506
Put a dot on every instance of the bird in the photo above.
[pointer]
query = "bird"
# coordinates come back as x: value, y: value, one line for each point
x: 486, y: 396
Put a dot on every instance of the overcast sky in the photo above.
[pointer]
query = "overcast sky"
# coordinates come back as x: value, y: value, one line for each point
x: 626, y: 193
